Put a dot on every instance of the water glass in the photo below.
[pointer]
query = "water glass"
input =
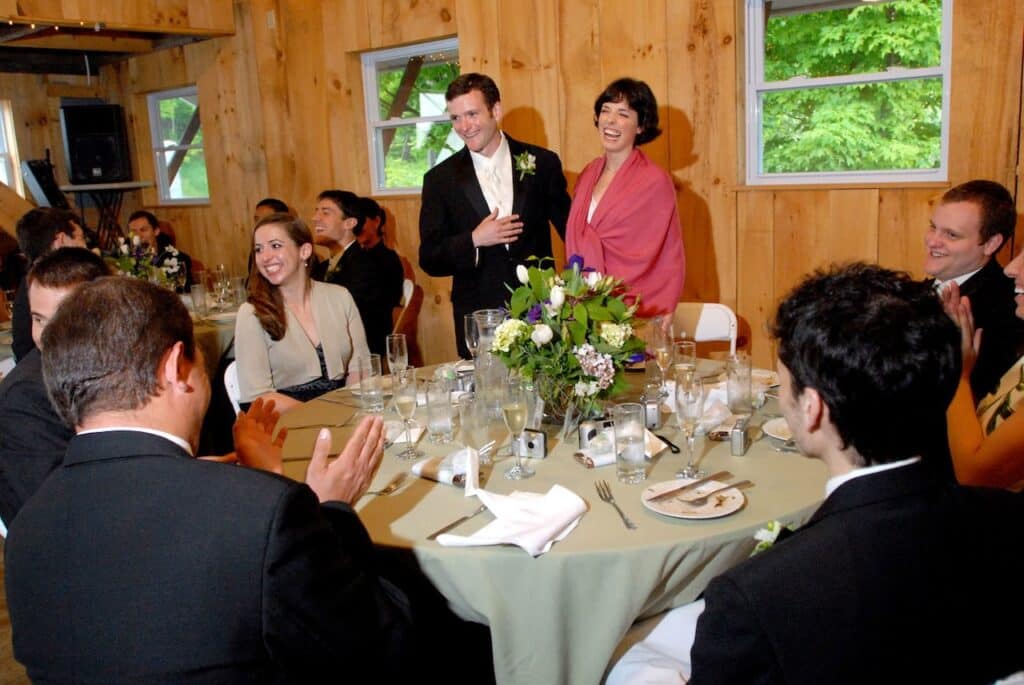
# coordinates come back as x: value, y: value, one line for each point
x: 371, y: 385
x: 440, y: 413
x: 199, y: 303
x: 738, y: 384
x: 238, y: 285
x: 630, y: 465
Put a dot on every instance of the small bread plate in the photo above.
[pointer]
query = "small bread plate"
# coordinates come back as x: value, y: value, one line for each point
x: 720, y: 504
x: 385, y: 383
x: 778, y: 429
x: 766, y: 378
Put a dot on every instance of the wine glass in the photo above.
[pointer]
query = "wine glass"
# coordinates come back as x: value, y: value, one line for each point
x: 685, y: 356
x: 513, y: 409
x: 398, y: 353
x: 472, y: 334
x: 405, y: 404
x: 689, y: 409
x: 661, y: 345
x: 221, y: 287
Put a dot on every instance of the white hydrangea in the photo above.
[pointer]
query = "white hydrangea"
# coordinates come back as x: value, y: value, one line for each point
x: 508, y: 333
x: 615, y: 334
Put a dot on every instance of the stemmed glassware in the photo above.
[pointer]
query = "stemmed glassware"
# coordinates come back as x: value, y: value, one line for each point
x: 514, y: 406
x: 398, y: 354
x: 472, y: 334
x: 685, y: 356
x: 689, y: 409
x: 473, y: 423
x: 222, y: 288
x: 405, y: 404
x: 661, y: 347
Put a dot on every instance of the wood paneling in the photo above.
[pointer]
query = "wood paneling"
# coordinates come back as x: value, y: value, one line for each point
x: 185, y: 16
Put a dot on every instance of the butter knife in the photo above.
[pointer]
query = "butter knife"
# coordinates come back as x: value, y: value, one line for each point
x: 456, y: 522
x: 689, y: 486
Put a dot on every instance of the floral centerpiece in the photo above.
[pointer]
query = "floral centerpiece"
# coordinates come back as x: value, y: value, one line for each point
x: 136, y: 259
x: 572, y: 333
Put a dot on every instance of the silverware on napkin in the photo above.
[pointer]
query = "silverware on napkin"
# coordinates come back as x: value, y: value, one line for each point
x: 689, y: 486
x: 456, y: 522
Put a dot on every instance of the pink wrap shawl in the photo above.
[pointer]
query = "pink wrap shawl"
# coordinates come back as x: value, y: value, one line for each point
x: 634, y: 234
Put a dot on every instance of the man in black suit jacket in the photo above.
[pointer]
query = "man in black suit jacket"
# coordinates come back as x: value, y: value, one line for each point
x: 337, y: 217
x: 900, y: 576
x: 489, y: 206
x: 135, y: 562
x: 969, y: 226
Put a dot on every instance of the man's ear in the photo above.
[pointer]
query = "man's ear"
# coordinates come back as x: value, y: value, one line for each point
x: 992, y: 245
x: 175, y: 368
x: 497, y: 112
x: 813, y: 408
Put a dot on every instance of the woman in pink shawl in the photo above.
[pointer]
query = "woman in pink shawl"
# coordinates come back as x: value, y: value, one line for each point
x: 623, y: 219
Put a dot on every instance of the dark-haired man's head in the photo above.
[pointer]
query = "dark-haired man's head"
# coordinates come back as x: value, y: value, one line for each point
x: 969, y: 225
x: 868, y: 356
x: 125, y: 352
x: 55, y: 276
x: 372, y: 230
x: 146, y: 226
x: 336, y: 219
x: 268, y: 206
x: 43, y: 229
x: 474, y: 107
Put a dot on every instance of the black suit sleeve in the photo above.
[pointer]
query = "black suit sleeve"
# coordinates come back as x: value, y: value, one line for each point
x: 445, y: 246
x: 21, y: 324
x: 325, y: 610
x: 730, y: 644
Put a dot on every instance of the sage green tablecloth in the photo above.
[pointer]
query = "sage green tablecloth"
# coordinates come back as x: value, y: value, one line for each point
x: 557, y: 618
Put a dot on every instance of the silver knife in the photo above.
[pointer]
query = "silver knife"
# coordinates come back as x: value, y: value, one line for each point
x: 456, y: 522
x: 695, y: 484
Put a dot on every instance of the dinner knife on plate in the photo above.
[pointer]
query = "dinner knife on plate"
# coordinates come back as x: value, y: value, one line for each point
x: 689, y: 486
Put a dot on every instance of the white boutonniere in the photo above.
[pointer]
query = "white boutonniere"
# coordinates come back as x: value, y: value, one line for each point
x: 526, y: 164
x: 767, y: 536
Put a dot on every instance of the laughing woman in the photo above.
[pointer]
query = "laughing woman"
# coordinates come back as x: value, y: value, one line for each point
x: 295, y: 339
x: 623, y: 219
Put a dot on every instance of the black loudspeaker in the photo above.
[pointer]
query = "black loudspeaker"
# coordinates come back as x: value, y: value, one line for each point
x: 38, y: 175
x: 95, y: 144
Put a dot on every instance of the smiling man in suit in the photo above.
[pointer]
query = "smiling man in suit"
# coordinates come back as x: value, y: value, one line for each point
x: 488, y: 207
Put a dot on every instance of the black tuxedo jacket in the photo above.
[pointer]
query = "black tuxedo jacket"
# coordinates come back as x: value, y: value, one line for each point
x: 33, y: 438
x: 898, y: 577
x: 137, y: 563
x: 1002, y: 339
x: 21, y: 323
x: 356, y: 271
x: 453, y: 205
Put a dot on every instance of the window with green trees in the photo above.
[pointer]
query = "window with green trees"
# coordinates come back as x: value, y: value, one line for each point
x: 177, y: 136
x: 846, y: 91
x: 408, y: 127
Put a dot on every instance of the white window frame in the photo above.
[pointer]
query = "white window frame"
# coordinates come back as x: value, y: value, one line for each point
x: 159, y: 149
x: 371, y: 96
x: 9, y: 155
x: 756, y: 86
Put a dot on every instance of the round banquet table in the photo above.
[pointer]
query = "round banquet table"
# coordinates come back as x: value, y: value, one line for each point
x: 557, y: 618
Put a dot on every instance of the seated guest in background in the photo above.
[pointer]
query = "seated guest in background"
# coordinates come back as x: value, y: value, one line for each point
x: 387, y: 264
x: 179, y: 569
x: 968, y: 227
x: 146, y: 226
x: 268, y: 206
x: 900, y: 576
x: 987, y: 442
x: 295, y: 338
x: 337, y: 217
x: 32, y: 437
x: 12, y: 263
x: 40, y: 230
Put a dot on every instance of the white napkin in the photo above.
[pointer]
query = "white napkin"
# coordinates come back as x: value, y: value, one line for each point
x: 594, y: 458
x: 527, y: 519
x: 460, y: 468
x: 395, y: 432
x: 716, y: 405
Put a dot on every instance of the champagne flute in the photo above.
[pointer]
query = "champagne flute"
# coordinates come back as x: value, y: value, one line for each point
x: 405, y: 405
x: 689, y: 409
x: 473, y: 423
x: 513, y: 409
x: 661, y: 343
x: 398, y: 355
x: 472, y: 334
x: 685, y: 356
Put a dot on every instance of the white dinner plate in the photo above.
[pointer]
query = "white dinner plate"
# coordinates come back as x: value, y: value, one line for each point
x: 720, y: 504
x: 764, y: 377
x: 778, y: 429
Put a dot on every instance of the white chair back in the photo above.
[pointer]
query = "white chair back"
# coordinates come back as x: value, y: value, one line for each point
x: 706, y: 322
x: 231, y: 385
x: 407, y: 289
x: 6, y: 366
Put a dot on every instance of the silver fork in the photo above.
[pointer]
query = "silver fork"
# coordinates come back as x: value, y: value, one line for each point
x: 703, y: 499
x: 605, y: 493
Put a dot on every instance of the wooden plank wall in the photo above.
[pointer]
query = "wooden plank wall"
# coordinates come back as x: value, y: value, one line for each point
x: 282, y: 115
x: 201, y: 16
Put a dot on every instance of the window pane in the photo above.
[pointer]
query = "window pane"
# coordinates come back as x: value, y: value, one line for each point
x: 426, y: 78
x: 870, y: 38
x: 412, y: 150
x: 175, y: 115
x: 5, y: 171
x: 190, y: 181
x: 866, y: 127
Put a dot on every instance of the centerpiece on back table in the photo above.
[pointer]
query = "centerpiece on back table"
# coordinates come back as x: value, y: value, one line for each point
x: 136, y: 259
x: 572, y: 333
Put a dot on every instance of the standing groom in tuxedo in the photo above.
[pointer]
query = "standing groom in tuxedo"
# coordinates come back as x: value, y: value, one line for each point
x: 487, y: 208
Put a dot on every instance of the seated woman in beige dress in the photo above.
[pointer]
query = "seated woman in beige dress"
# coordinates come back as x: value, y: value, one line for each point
x: 987, y: 442
x: 295, y: 338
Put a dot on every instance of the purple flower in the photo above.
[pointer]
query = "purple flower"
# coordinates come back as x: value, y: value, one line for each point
x: 533, y: 315
x: 575, y: 262
x: 637, y: 357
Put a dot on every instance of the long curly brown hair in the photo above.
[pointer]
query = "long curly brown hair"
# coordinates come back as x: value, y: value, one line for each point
x: 264, y: 296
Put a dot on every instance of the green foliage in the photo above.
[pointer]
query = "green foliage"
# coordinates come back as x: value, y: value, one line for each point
x: 891, y: 125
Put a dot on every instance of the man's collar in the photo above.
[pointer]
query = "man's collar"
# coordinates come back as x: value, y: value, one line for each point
x: 180, y: 442
x: 835, y: 481
x: 500, y: 155
x: 959, y: 280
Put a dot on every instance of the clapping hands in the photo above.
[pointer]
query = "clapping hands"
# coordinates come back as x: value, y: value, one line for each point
x: 959, y: 309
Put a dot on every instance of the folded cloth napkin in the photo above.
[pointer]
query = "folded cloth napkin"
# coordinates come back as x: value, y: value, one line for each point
x: 716, y: 405
x: 395, y: 432
x: 460, y: 468
x: 603, y: 455
x: 528, y: 519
